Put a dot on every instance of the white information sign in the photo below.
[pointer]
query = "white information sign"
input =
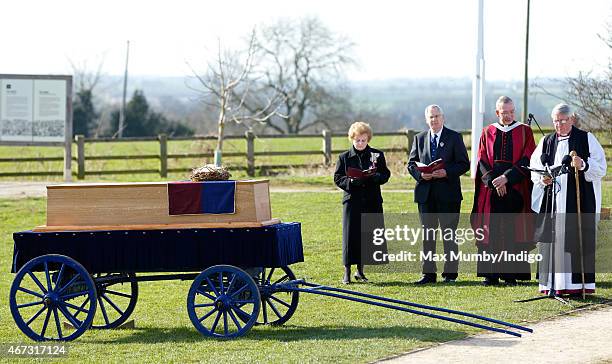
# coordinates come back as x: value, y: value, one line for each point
x: 33, y: 110
x: 16, y: 110
x: 49, y: 110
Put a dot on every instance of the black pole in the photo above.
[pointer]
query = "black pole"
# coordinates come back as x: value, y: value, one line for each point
x: 393, y: 307
x: 418, y: 305
x: 532, y: 118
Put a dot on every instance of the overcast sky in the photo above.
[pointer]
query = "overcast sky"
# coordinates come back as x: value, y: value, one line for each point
x: 395, y: 38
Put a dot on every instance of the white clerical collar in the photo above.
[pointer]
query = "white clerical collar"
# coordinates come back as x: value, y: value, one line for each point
x: 507, y: 128
x: 562, y: 138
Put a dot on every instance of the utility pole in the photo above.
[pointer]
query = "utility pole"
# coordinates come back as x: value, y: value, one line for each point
x: 122, y: 110
x: 526, y: 81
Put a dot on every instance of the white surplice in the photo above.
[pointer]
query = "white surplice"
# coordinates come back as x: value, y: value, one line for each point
x: 595, y: 172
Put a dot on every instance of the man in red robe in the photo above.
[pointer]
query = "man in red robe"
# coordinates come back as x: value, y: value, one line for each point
x: 502, y: 197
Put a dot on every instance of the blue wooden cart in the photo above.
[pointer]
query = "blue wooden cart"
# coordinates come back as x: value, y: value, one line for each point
x: 240, y: 278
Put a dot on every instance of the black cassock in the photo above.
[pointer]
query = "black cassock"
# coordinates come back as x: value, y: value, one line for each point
x: 361, y: 199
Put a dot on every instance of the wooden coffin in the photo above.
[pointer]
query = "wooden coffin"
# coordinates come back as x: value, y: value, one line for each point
x: 135, y: 206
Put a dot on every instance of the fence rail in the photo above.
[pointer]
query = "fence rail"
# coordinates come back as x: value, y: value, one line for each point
x: 326, y: 152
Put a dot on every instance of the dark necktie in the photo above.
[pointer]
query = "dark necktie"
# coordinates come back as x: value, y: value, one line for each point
x: 434, y: 147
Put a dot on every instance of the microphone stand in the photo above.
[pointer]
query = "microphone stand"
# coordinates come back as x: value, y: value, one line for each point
x: 552, y: 292
x: 532, y: 118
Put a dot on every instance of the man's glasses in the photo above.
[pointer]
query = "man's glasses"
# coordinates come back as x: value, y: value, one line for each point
x: 560, y: 121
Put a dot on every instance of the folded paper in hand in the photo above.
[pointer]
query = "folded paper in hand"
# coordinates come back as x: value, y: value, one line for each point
x: 433, y: 166
x: 358, y: 173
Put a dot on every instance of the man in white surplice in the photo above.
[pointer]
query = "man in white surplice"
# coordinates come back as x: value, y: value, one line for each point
x: 591, y: 164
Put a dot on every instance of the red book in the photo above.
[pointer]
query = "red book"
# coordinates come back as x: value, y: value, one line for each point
x: 431, y: 167
x: 359, y: 174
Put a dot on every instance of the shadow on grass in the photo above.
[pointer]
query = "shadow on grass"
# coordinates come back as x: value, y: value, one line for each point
x: 291, y: 333
x: 604, y: 284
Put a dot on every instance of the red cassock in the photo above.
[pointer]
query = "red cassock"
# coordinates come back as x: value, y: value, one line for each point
x: 523, y: 145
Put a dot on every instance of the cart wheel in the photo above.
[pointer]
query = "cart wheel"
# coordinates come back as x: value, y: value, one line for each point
x: 219, y: 297
x: 52, y: 285
x: 116, y: 300
x: 277, y: 306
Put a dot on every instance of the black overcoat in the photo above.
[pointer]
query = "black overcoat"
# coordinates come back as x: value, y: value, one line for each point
x: 359, y: 198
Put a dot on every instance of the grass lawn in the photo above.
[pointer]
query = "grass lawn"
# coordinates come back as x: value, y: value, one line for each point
x: 322, y: 329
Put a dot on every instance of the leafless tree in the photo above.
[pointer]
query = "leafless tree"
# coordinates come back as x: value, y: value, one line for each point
x: 591, y: 94
x: 304, y: 61
x: 226, y: 84
x: 84, y: 77
x: 85, y: 118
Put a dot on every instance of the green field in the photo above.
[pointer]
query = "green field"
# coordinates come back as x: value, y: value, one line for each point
x: 322, y: 329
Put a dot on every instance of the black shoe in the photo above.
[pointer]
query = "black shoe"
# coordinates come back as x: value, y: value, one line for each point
x: 426, y: 278
x: 360, y: 277
x: 450, y: 280
x: 490, y: 282
x: 511, y: 282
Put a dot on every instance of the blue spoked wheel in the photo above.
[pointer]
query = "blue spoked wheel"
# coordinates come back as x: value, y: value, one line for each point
x: 277, y: 306
x: 116, y: 299
x: 223, y: 302
x: 48, y: 290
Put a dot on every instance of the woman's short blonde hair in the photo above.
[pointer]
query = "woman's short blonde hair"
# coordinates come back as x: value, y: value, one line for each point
x: 358, y: 128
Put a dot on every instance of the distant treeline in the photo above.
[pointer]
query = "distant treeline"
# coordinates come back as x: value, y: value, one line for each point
x: 166, y: 105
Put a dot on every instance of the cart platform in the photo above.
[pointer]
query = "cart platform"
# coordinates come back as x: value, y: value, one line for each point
x: 169, y: 250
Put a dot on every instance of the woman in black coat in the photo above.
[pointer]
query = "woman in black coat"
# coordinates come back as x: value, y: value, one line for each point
x: 361, y: 195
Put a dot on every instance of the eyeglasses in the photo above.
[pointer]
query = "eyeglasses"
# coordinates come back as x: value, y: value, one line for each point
x: 560, y: 121
x: 506, y: 113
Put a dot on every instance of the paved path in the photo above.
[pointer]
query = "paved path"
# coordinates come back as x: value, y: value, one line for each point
x: 583, y: 336
x: 23, y: 189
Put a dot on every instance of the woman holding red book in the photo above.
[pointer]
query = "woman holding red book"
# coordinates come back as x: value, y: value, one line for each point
x: 359, y: 172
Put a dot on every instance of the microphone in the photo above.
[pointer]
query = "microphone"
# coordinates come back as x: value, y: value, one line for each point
x: 530, y: 116
x: 544, y: 161
x: 566, y: 161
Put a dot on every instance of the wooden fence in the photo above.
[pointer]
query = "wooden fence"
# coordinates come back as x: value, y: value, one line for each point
x: 250, y: 154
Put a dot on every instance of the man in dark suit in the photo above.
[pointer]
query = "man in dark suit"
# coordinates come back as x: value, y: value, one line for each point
x: 438, y: 194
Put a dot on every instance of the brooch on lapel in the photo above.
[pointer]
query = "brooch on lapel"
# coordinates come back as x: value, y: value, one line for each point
x: 441, y: 144
x: 374, y: 158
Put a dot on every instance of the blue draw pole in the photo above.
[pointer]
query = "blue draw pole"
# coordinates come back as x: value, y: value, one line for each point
x: 294, y: 286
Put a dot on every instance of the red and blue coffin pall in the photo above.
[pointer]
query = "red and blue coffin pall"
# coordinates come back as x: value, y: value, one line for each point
x: 209, y: 197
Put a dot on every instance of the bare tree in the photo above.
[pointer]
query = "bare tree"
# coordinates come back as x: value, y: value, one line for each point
x: 303, y: 61
x: 85, y: 117
x: 84, y: 77
x: 227, y: 84
x: 591, y: 94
